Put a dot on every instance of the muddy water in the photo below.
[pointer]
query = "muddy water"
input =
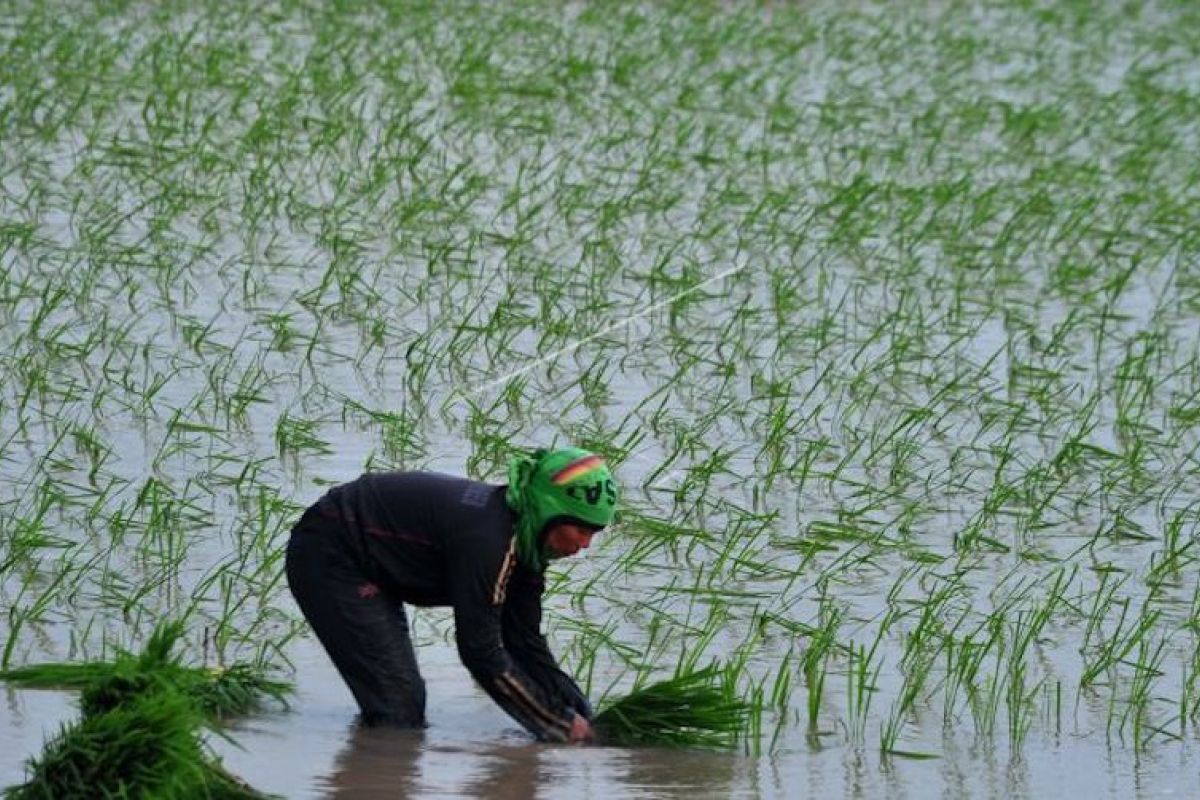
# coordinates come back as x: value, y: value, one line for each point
x: 471, y: 749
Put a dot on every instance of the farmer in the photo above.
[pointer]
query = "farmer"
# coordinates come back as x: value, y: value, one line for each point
x: 428, y: 539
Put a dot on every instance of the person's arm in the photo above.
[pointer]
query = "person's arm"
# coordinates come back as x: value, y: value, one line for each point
x: 523, y: 639
x: 478, y: 588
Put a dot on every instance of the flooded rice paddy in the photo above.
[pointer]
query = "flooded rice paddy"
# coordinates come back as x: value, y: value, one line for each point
x: 887, y: 319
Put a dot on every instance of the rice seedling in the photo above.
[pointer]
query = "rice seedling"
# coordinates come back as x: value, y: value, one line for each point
x: 862, y: 676
x: 1146, y: 670
x: 815, y: 659
x: 1114, y: 649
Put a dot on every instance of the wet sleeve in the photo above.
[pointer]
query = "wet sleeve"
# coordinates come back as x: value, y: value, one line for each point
x: 523, y: 639
x: 478, y: 588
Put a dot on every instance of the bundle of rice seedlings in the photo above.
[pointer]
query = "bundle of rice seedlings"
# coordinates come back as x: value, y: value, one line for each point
x: 219, y: 693
x: 140, y: 732
x: 692, y: 709
x: 147, y: 747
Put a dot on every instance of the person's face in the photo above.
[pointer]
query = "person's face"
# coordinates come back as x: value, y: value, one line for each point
x: 567, y: 538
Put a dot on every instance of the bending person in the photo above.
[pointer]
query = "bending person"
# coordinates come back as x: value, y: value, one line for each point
x: 384, y: 539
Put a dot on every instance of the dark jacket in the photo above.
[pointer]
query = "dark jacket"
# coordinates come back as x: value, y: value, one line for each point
x: 437, y: 540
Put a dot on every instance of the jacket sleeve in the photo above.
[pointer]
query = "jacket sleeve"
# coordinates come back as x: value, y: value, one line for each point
x: 521, y: 623
x: 478, y: 589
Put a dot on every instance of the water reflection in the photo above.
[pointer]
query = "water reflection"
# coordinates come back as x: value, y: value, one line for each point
x: 382, y: 762
x: 662, y: 773
x: 378, y: 763
x: 511, y: 773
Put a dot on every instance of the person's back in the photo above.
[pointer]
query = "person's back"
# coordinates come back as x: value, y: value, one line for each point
x: 409, y: 529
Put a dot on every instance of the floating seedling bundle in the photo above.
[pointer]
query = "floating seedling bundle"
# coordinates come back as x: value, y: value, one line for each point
x: 140, y: 733
x: 692, y: 709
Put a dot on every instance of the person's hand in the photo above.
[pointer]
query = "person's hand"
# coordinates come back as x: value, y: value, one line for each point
x: 581, y: 731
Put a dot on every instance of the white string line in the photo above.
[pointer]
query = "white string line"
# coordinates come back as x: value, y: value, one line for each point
x: 603, y: 331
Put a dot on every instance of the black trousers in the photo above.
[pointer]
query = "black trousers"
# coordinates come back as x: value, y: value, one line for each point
x: 364, y: 631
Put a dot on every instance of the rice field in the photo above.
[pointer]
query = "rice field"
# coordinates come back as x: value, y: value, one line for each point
x: 886, y: 315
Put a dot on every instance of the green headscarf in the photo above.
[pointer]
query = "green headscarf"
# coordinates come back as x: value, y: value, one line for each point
x: 550, y: 484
